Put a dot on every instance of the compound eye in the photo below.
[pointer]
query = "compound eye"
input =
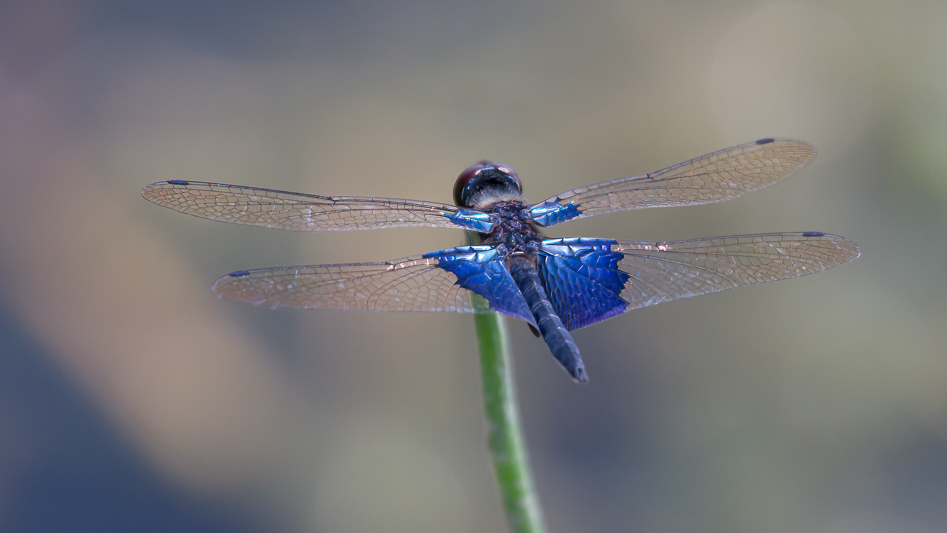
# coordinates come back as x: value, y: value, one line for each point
x: 465, y: 177
x: 510, y: 172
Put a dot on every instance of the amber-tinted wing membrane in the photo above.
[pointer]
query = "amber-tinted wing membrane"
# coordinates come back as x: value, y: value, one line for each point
x: 715, y: 177
x: 664, y: 271
x: 408, y: 284
x: 295, y: 211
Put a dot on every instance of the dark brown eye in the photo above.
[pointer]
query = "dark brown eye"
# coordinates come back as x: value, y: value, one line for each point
x: 509, y: 172
x: 470, y: 173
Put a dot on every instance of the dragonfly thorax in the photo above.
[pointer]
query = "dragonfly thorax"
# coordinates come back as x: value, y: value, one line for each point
x: 515, y: 228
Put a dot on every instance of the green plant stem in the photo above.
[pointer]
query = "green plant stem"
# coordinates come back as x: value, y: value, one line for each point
x: 505, y: 431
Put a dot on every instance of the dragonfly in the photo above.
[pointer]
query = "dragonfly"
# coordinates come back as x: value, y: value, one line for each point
x: 556, y: 285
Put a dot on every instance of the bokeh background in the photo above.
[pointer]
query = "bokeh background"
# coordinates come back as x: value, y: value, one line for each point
x: 132, y: 399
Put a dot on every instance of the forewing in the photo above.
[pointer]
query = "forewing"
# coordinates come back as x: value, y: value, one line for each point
x: 722, y: 175
x: 443, y: 281
x: 664, y: 271
x: 306, y: 212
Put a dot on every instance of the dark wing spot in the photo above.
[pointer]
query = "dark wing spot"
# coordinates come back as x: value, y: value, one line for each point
x: 239, y: 273
x: 178, y: 182
x: 765, y: 141
x: 813, y: 234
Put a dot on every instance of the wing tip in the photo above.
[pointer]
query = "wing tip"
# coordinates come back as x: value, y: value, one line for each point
x: 807, y: 145
x: 221, y: 283
x: 228, y: 287
x: 847, y: 249
x: 146, y: 191
x: 853, y: 251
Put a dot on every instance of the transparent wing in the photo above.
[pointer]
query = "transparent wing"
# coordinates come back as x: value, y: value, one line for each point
x: 715, y: 177
x: 409, y: 284
x: 301, y: 212
x: 444, y: 281
x: 664, y: 271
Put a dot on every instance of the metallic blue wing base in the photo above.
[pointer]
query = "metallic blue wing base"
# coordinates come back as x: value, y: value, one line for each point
x: 551, y: 212
x: 481, y: 269
x: 473, y: 220
x: 582, y: 279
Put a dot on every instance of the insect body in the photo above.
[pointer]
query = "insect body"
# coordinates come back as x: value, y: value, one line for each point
x: 555, y: 285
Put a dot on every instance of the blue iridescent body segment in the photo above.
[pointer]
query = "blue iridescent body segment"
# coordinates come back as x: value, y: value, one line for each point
x: 555, y: 285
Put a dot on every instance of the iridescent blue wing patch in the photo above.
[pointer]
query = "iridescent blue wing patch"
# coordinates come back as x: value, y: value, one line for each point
x: 481, y: 269
x: 664, y: 271
x: 254, y: 206
x: 715, y: 177
x: 582, y: 279
x: 442, y: 281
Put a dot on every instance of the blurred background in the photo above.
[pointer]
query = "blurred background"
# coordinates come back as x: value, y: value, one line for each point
x: 132, y: 399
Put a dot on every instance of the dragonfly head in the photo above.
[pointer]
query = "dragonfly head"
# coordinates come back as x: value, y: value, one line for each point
x: 487, y: 183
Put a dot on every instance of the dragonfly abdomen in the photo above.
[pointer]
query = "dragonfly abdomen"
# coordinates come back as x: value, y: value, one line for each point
x: 555, y: 334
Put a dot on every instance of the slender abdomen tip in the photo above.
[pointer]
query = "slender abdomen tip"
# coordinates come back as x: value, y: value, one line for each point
x: 579, y: 374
